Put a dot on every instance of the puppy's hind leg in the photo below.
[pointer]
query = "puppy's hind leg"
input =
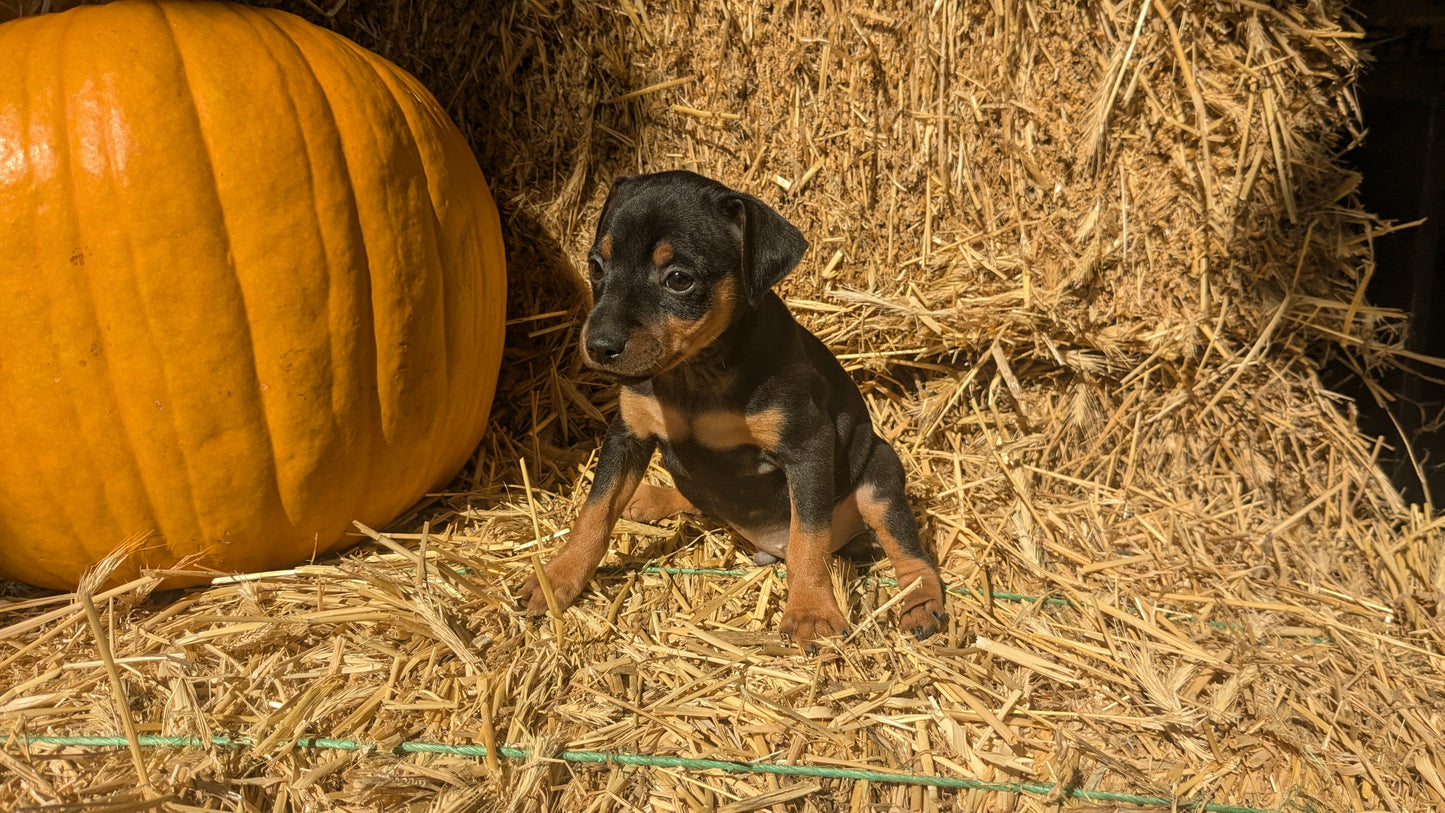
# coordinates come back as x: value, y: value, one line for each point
x: 884, y: 507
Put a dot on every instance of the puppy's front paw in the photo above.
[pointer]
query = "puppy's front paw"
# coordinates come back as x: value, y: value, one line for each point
x: 922, y: 612
x: 807, y: 625
x: 565, y: 589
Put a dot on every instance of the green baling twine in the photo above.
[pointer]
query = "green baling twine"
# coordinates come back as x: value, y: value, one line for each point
x: 685, y: 763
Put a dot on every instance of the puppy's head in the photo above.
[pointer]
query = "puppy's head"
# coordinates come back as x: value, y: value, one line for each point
x: 677, y: 259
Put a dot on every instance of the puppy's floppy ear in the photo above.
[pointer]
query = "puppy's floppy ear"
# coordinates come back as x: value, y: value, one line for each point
x: 622, y: 188
x: 771, y: 245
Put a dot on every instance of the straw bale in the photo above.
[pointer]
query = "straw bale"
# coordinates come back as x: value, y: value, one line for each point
x: 1086, y: 261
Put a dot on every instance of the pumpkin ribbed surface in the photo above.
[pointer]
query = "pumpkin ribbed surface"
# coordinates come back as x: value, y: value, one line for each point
x: 251, y: 289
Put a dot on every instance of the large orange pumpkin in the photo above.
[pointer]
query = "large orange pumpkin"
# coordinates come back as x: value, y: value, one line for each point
x: 251, y: 289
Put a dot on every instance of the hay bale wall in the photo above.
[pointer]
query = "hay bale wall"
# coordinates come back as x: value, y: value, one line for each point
x: 1085, y: 260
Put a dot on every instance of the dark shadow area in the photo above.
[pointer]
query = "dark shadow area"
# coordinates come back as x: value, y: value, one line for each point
x: 1403, y: 164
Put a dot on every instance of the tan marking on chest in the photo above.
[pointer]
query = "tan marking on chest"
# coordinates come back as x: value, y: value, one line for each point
x: 729, y: 430
x: 649, y: 418
x: 767, y: 427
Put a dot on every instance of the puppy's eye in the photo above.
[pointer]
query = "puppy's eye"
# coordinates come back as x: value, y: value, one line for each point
x: 679, y: 282
x: 594, y: 270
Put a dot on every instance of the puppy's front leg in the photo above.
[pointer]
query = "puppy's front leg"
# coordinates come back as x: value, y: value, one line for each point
x: 812, y: 611
x: 620, y: 466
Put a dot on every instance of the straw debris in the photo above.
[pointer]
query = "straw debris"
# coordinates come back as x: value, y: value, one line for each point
x: 1086, y: 261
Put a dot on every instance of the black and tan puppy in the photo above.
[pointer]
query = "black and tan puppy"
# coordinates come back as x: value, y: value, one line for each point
x: 758, y: 424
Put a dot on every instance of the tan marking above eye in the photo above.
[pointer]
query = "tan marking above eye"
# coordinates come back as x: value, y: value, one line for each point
x: 728, y: 430
x: 650, y: 418
x: 662, y: 255
x: 605, y: 247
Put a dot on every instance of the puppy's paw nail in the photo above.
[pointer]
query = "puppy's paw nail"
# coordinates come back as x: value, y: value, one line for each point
x: 922, y: 621
x: 808, y: 630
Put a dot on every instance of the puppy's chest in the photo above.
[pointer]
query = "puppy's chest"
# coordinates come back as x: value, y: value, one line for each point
x: 707, y: 435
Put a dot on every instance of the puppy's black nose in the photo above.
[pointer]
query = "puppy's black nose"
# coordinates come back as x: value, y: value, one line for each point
x: 604, y: 346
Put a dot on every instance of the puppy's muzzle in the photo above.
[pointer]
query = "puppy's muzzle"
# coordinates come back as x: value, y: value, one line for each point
x: 628, y: 354
x: 605, y: 347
